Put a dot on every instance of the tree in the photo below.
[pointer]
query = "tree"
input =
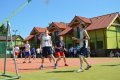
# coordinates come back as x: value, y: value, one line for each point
x: 2, y: 29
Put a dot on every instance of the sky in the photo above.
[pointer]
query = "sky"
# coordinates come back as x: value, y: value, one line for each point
x: 38, y: 13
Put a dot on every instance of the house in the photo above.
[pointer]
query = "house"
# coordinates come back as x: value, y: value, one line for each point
x: 55, y: 28
x: 33, y: 38
x: 104, y: 32
x: 17, y: 40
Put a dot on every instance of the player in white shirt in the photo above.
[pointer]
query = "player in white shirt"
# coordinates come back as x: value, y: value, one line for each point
x: 83, y: 41
x: 46, y: 48
x: 38, y: 55
x: 27, y: 52
x: 17, y: 51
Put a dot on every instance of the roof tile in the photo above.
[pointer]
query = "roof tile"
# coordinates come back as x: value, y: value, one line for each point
x: 41, y: 30
x: 60, y: 25
x: 101, y: 21
x: 65, y: 31
x: 96, y: 22
x: 29, y: 37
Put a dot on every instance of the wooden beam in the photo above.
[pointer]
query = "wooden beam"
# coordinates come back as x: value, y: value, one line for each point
x: 112, y: 21
x: 119, y: 17
x: 115, y: 24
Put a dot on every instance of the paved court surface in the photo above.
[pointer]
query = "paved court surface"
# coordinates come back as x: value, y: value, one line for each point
x: 34, y: 66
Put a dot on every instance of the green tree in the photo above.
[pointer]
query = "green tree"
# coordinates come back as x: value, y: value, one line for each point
x: 2, y: 29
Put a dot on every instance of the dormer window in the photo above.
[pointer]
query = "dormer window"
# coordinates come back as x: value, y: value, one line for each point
x: 56, y: 33
x: 81, y: 22
x: 76, y: 20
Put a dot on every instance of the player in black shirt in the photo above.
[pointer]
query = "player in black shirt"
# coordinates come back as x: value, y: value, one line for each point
x: 59, y: 50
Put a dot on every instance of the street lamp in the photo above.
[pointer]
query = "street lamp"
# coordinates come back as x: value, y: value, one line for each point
x: 15, y: 31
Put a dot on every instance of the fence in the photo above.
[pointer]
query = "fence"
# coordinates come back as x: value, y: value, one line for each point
x: 2, y: 50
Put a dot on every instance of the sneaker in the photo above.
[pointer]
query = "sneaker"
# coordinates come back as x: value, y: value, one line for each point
x: 41, y: 67
x: 55, y: 66
x: 29, y: 62
x: 80, y: 70
x: 66, y: 64
x: 24, y: 62
x: 87, y: 67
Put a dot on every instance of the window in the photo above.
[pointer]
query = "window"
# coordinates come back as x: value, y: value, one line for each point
x: 78, y: 32
x: 99, y: 44
x: 92, y: 46
x: 56, y: 33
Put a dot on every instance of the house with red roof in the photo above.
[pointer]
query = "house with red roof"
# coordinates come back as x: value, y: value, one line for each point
x: 104, y: 32
x: 55, y: 28
x: 33, y: 38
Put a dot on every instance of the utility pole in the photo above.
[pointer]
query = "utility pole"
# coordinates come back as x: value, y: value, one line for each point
x: 15, y: 31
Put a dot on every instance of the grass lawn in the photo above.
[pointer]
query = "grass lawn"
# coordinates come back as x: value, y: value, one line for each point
x: 105, y: 71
